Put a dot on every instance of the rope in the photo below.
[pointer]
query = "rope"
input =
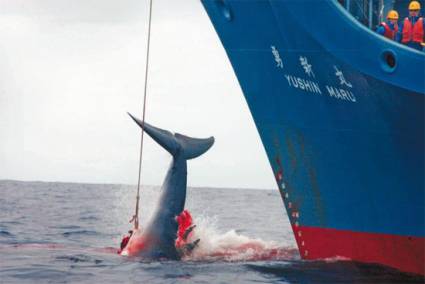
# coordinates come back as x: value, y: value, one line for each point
x: 136, y: 215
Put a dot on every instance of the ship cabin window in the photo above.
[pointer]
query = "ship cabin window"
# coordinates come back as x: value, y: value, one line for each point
x: 368, y: 12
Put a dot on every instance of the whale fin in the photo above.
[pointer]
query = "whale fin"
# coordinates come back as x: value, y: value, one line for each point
x: 193, y: 147
x: 174, y: 143
x: 163, y: 137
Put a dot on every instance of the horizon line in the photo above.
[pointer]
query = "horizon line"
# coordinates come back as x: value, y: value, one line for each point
x: 126, y: 184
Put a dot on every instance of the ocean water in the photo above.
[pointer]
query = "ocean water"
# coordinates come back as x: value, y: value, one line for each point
x: 68, y: 232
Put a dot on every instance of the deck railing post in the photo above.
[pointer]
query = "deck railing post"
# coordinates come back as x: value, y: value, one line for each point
x: 370, y: 13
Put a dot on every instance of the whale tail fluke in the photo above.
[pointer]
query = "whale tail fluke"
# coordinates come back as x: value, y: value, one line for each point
x: 162, y: 137
x: 176, y: 143
x: 193, y: 147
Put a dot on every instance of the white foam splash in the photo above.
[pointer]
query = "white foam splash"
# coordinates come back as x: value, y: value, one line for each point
x: 336, y: 259
x: 231, y: 246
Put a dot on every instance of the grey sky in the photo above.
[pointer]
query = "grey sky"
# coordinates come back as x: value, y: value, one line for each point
x: 70, y: 70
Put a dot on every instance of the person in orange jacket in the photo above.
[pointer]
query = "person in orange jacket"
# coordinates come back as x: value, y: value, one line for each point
x: 389, y: 28
x: 411, y: 30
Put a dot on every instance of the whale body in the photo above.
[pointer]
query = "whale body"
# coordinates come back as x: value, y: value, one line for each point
x: 157, y: 239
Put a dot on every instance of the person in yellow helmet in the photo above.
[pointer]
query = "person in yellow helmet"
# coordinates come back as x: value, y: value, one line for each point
x: 389, y: 29
x: 411, y: 31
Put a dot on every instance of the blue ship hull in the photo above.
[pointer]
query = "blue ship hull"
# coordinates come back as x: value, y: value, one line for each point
x: 340, y: 111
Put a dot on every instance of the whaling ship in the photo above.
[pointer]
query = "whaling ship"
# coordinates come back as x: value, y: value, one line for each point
x: 340, y: 111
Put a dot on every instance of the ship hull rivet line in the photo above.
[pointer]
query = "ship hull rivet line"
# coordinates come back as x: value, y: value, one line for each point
x: 294, y: 215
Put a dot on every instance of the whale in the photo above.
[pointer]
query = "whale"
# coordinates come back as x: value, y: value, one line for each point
x: 157, y: 239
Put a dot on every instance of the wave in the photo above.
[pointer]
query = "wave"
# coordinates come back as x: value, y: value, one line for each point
x: 4, y: 233
x: 232, y: 246
x: 80, y: 232
x: 336, y: 271
x: 88, y: 218
x: 79, y: 258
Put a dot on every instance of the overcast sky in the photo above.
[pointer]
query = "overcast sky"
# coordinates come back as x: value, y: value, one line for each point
x: 71, y: 69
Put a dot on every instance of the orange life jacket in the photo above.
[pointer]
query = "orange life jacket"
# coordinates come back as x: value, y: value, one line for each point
x: 389, y: 33
x: 414, y: 32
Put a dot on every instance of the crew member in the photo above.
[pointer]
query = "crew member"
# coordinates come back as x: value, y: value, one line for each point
x: 389, y: 28
x: 411, y: 30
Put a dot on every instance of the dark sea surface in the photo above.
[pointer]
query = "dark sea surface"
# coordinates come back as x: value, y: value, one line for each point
x: 68, y: 233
